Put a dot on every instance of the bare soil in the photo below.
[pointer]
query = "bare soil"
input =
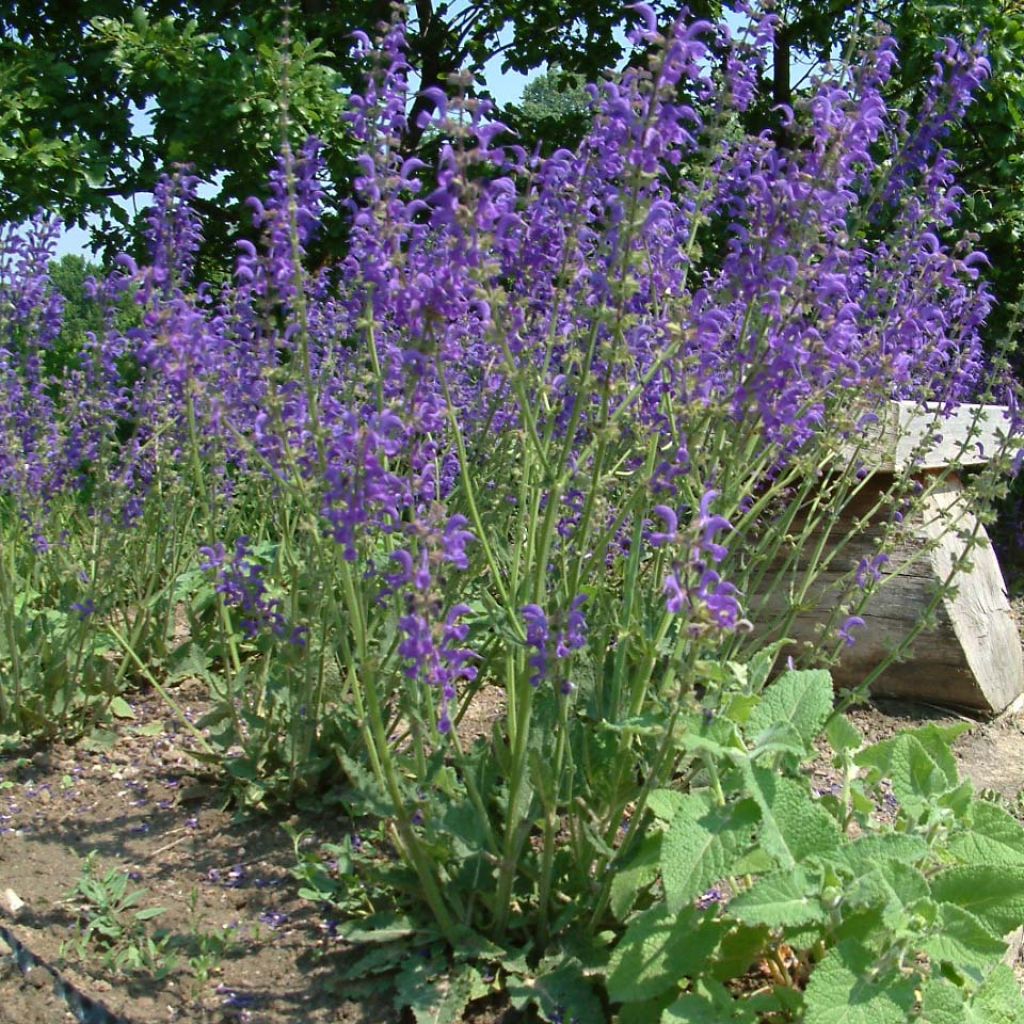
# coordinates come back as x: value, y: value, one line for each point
x: 145, y: 807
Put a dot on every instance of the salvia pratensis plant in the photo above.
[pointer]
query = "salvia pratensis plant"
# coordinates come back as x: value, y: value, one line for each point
x: 565, y: 443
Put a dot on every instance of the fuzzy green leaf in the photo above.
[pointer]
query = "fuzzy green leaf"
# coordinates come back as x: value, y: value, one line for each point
x: 935, y: 739
x: 658, y: 951
x: 890, y: 884
x: 998, y: 1000
x: 993, y: 893
x: 942, y: 1003
x: 842, y: 991
x: 842, y: 734
x: 784, y: 900
x: 920, y: 771
x: 867, y: 851
x: 664, y: 804
x: 801, y: 699
x: 995, y: 837
x: 710, y: 1003
x: 564, y: 994
x: 741, y: 946
x: 443, y: 1000
x: 641, y: 871
x: 794, y: 825
x: 701, y: 846
x: 963, y: 942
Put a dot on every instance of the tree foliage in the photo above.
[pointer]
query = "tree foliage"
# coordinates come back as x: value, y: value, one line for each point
x: 98, y: 98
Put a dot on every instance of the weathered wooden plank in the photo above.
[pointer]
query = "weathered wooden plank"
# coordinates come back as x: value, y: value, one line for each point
x: 970, y: 655
x: 912, y: 435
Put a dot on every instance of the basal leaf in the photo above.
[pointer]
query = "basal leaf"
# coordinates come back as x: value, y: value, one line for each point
x: 444, y: 1000
x: 120, y: 708
x: 379, y: 928
x: 843, y: 991
x: 659, y: 950
x: 994, y: 893
x: 701, y: 846
x: 784, y: 900
x: 802, y: 699
x: 708, y: 1004
x: 641, y: 871
x: 566, y: 995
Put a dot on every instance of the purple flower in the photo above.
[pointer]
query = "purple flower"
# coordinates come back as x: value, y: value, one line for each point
x: 538, y: 636
x: 710, y: 525
x: 851, y: 623
x: 870, y: 569
x: 719, y: 599
x: 670, y: 534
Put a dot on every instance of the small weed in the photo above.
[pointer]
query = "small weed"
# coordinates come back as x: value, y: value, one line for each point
x: 111, y: 921
x: 207, y: 949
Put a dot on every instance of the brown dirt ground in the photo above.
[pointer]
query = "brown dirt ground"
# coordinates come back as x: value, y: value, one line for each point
x: 146, y: 809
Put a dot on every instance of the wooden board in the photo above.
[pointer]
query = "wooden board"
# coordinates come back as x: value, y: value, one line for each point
x: 909, y: 435
x: 969, y: 656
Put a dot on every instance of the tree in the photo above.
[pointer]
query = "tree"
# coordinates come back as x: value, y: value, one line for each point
x: 223, y: 84
x: 554, y: 111
x: 97, y: 99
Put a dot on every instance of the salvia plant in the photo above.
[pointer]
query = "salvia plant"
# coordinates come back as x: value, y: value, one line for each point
x: 565, y: 446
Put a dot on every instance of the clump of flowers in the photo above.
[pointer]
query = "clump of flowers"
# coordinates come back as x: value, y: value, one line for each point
x: 546, y: 422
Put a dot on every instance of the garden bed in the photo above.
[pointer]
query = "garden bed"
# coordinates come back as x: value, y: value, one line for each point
x: 224, y: 878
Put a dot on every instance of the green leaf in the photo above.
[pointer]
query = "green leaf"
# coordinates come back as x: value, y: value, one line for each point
x: 563, y: 995
x: 843, y: 991
x: 702, y: 845
x: 920, y: 772
x: 645, y: 1012
x: 935, y: 739
x: 794, y: 825
x: 963, y: 942
x: 941, y: 1003
x: 640, y: 872
x: 993, y: 893
x: 658, y: 951
x: 379, y: 928
x: 865, y: 852
x: 994, y: 837
x: 664, y: 804
x: 802, y: 699
x: 843, y: 735
x: 149, y: 913
x: 709, y: 1003
x: 891, y: 885
x: 997, y: 1001
x: 120, y: 708
x: 435, y: 997
x: 376, y: 961
x: 784, y: 900
x: 739, y: 949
